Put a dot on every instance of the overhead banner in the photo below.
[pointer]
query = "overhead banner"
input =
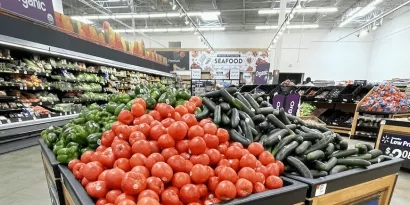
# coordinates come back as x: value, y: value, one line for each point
x: 40, y: 10
x: 262, y: 74
x: 178, y: 59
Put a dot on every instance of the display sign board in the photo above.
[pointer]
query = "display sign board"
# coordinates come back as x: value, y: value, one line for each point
x: 196, y: 74
x: 178, y: 59
x: 360, y: 82
x: 229, y: 60
x: 220, y: 74
x: 278, y: 101
x: 262, y: 74
x: 234, y: 74
x: 292, y: 103
x: 41, y: 10
x: 396, y: 146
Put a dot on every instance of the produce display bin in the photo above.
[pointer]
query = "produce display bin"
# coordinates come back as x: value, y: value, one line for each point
x: 301, y: 90
x: 349, y: 93
x: 308, y: 91
x: 52, y: 173
x: 353, y: 185
x: 248, y: 88
x: 267, y: 90
x: 292, y: 193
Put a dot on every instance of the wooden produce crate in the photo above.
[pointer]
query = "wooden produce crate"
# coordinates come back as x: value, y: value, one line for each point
x: 52, y: 174
x: 313, y: 119
x: 352, y: 186
x: 292, y: 193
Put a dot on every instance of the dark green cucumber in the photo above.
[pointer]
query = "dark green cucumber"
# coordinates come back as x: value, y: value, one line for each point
x: 282, y: 116
x: 217, y: 93
x: 363, y: 156
x: 315, y: 155
x: 362, y: 148
x: 299, y: 139
x: 277, y: 123
x: 282, y: 142
x: 303, y: 147
x: 259, y: 99
x: 299, y: 132
x: 217, y: 115
x: 308, y: 130
x: 257, y: 137
x: 251, y: 101
x: 265, y: 110
x: 234, y: 118
x: 225, y: 106
x: 296, y: 119
x: 302, y: 158
x: 294, y: 173
x: 230, y: 99
x: 369, y: 147
x: 262, y: 138
x: 378, y: 159
x: 337, y: 169
x: 353, y: 162
x: 246, y: 109
x: 225, y: 119
x: 239, y: 129
x: 236, y: 137
x: 326, y: 166
x: 318, y: 127
x: 204, y: 114
x: 246, y: 117
x: 344, y: 153
x: 327, y: 133
x: 317, y: 174
x: 338, y: 138
x: 275, y: 137
x: 246, y: 130
x: 343, y: 145
x: 329, y: 149
x: 291, y: 126
x: 208, y: 103
x: 241, y: 98
x: 300, y: 166
x: 274, y: 130
x: 255, y: 130
x: 256, y: 95
x: 258, y: 118
x: 311, y: 136
x: 289, y: 169
x: 286, y: 151
x: 375, y: 153
x: 319, y: 145
x: 264, y: 125
x: 264, y: 104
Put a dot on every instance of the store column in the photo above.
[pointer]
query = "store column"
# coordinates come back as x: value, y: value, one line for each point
x: 58, y: 6
x: 278, y: 45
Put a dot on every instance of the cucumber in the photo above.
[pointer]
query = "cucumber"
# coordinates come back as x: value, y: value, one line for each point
x: 300, y: 166
x: 343, y: 145
x: 230, y: 99
x: 265, y: 110
x: 282, y: 116
x: 277, y: 123
x: 257, y: 137
x: 338, y: 138
x: 284, y: 141
x: 315, y: 155
x: 255, y: 130
x: 267, y: 148
x: 353, y: 162
x: 246, y: 130
x: 302, y: 158
x: 246, y: 117
x: 217, y: 93
x: 344, y: 153
x: 318, y: 127
x: 369, y: 147
x: 299, y: 139
x: 286, y: 151
x: 299, y: 132
x: 234, y: 118
x: 317, y: 174
x: 204, y: 114
x: 362, y: 148
x: 375, y: 153
x: 329, y: 149
x: 239, y: 129
x: 319, y: 145
x: 303, y: 147
x: 275, y: 137
x: 294, y: 173
x: 337, y: 169
x: 236, y: 137
x: 378, y: 159
x: 263, y: 104
x: 225, y: 119
x: 296, y: 119
x: 262, y: 138
x: 258, y: 118
x: 291, y: 126
x: 259, y: 99
x: 363, y: 156
x: 251, y: 101
x: 308, y: 130
x: 327, y: 133
x: 208, y: 103
x: 225, y: 106
x: 263, y: 125
x: 326, y: 166
x: 289, y: 169
x: 256, y: 95
x: 217, y: 115
x: 246, y: 109
x: 241, y: 98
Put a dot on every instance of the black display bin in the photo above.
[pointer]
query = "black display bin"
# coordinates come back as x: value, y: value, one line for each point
x: 311, y: 97
x: 283, y: 90
x: 351, y: 177
x: 48, y: 155
x: 320, y: 92
x: 293, y: 192
x: 267, y: 90
x: 349, y: 93
x: 303, y: 97
x: 332, y: 95
x: 301, y: 90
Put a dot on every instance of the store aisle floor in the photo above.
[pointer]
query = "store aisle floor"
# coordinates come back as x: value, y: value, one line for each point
x: 23, y: 181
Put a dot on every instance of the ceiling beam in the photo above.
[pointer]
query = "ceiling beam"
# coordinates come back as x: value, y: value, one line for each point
x: 216, y: 7
x: 244, y: 12
x: 271, y: 6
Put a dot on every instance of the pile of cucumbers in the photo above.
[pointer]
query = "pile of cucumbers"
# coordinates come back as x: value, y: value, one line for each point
x: 306, y: 149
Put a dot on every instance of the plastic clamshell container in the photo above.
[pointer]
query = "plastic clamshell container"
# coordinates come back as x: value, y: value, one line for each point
x: 351, y: 177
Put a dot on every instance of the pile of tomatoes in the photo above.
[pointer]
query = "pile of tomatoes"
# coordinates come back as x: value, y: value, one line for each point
x: 168, y: 157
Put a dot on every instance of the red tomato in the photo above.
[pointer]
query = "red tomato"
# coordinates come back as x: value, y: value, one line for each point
x: 224, y: 162
x: 107, y: 138
x: 107, y: 158
x: 177, y: 117
x: 133, y: 183
x: 189, y: 119
x: 196, y: 100
x: 166, y: 141
x: 195, y: 131
x: 200, y: 159
x: 72, y: 163
x: 259, y: 177
x: 199, y: 174
x: 121, y: 150
x: 233, y: 152
x: 225, y: 190
x: 214, y: 156
x: 204, y: 121
x: 166, y: 111
x: 141, y: 169
x: 113, y: 178
x: 211, y: 171
x: 136, y: 136
x: 244, y: 152
x: 273, y: 182
x: 168, y: 197
x: 157, y: 131
x: 101, y: 201
x: 155, y: 184
x: 141, y: 101
x: 234, y: 164
x: 281, y: 166
x: 101, y: 148
x: 178, y: 130
x: 97, y: 189
x: 180, y: 179
x: 91, y: 171
x: 255, y: 148
x: 197, y: 145
x: 163, y: 171
x: 222, y: 148
x: 191, y: 107
x: 273, y: 169
x: 154, y: 146
x: 123, y: 132
x: 247, y: 173
x: 101, y: 177
x: 185, y: 155
x: 144, y: 128
x: 112, y: 195
x: 136, y: 121
x: 174, y: 189
x: 147, y: 201
x: 248, y: 160
x: 137, y: 110
x: 266, y: 158
x: 210, y: 128
x: 182, y: 146
x: 177, y: 163
x: 213, y: 183
x: 227, y: 173
x: 148, y: 193
x: 262, y: 169
x: 258, y: 187
x: 223, y: 135
x: 84, y: 182
x: 142, y: 147
x: 125, y: 117
x: 189, y: 193
x: 168, y: 152
x: 85, y: 157
x: 95, y: 156
x: 167, y: 122
x: 152, y: 159
x: 188, y: 166
x: 115, y: 125
x: 147, y: 119
x: 155, y: 114
x: 211, y: 201
x: 237, y: 144
x: 211, y: 141
x: 154, y: 123
x: 203, y: 190
x: 243, y: 187
x: 122, y: 197
x: 127, y: 202
x: 77, y: 171
x: 123, y: 164
x: 181, y: 110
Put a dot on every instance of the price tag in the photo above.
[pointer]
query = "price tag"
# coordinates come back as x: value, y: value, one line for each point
x: 21, y: 87
x: 24, y: 88
x: 49, y: 88
x: 383, y: 122
x: 320, y: 189
x: 41, y: 87
x: 25, y: 72
x: 8, y: 121
x: 34, y: 88
x: 74, y: 112
x: 1, y: 122
x: 40, y: 103
x: 344, y: 100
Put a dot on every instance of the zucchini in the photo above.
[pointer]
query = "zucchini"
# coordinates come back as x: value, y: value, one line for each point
x: 246, y: 117
x: 257, y: 137
x: 255, y: 130
x: 225, y: 119
x: 344, y: 153
x: 303, y: 147
x: 311, y: 136
x: 217, y: 93
x: 275, y: 137
x: 319, y: 145
x: 362, y: 148
x: 286, y: 151
x: 265, y: 110
x: 300, y: 166
x: 263, y: 125
x: 291, y: 126
x: 217, y: 115
x: 236, y: 137
x: 208, y: 103
x: 317, y: 174
x: 251, y: 101
x: 225, y: 106
x: 240, y: 97
x: 264, y: 104
x: 326, y: 166
x: 329, y: 149
x: 377, y: 159
x: 353, y: 162
x: 258, y: 118
x: 282, y: 116
x: 315, y: 155
x: 277, y: 123
x: 363, y: 156
x: 343, y: 145
x: 202, y: 115
x: 337, y: 169
x: 234, y: 118
x: 262, y: 138
x: 259, y: 99
x: 296, y: 119
x: 369, y: 147
x: 375, y: 153
x: 338, y: 138
x: 282, y: 142
x: 246, y: 130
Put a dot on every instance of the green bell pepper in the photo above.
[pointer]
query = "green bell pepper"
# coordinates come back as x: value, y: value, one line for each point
x: 79, y: 135
x: 93, y: 140
x: 65, y: 155
x: 111, y: 107
x: 51, y: 139
x: 85, y: 149
x: 92, y: 127
x: 119, y: 109
x: 78, y: 121
x: 151, y: 102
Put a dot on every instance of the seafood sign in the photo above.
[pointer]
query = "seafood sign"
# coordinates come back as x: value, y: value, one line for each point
x: 40, y: 10
x: 262, y: 74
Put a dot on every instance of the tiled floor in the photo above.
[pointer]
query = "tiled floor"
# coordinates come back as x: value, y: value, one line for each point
x: 22, y: 180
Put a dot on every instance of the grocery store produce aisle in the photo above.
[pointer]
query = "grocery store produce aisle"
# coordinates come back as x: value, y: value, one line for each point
x: 23, y: 181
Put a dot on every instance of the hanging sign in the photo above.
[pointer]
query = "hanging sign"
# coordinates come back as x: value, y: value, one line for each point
x: 41, y: 10
x: 277, y: 101
x: 229, y: 60
x: 196, y: 73
x: 234, y: 74
x: 262, y: 74
x: 292, y: 103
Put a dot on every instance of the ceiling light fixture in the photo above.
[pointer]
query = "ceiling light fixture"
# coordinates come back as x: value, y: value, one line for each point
x: 361, y: 12
x: 301, y: 10
x: 174, y: 5
x: 82, y: 20
x: 305, y: 26
x: 374, y: 27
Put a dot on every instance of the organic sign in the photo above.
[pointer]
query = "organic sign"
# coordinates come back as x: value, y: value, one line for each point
x: 262, y: 74
x: 277, y: 101
x: 41, y: 10
x: 292, y: 103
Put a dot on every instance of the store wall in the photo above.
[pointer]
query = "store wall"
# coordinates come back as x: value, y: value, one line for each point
x: 390, y: 57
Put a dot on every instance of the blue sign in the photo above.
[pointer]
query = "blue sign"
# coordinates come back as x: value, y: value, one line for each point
x: 397, y: 140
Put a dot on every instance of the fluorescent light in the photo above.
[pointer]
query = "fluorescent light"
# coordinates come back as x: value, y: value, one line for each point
x: 146, y: 15
x: 361, y: 12
x: 159, y: 15
x: 159, y: 30
x: 174, y: 29
x: 172, y: 14
x: 194, y: 13
x: 265, y: 27
x: 187, y: 29
x: 86, y: 21
x: 302, y: 10
x: 209, y: 17
x: 364, y: 32
x: 289, y: 27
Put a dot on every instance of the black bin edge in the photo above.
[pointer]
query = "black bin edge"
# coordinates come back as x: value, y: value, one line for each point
x: 77, y: 192
x: 49, y: 155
